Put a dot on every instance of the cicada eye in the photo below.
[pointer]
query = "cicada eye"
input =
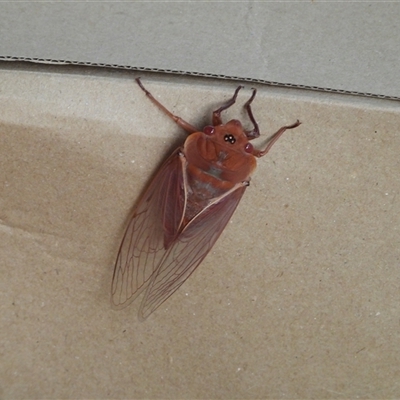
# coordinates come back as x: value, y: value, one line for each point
x: 248, y: 148
x: 209, y: 130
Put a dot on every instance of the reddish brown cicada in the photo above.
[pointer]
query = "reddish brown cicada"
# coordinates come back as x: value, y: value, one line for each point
x: 186, y: 207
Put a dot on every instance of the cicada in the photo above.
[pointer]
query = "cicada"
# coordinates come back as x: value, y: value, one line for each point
x: 186, y: 206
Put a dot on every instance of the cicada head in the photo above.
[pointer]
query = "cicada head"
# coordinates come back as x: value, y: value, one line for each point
x: 230, y: 134
x: 223, y: 151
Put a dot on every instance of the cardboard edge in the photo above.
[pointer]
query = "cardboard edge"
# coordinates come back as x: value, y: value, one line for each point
x: 194, y: 73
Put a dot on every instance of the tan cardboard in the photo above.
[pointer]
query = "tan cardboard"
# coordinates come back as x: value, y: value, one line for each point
x: 299, y: 297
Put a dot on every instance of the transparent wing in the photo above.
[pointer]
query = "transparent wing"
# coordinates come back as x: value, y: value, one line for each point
x: 188, y: 251
x: 142, y: 247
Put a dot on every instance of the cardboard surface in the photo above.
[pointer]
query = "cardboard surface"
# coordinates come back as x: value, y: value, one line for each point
x: 298, y: 299
x: 340, y: 45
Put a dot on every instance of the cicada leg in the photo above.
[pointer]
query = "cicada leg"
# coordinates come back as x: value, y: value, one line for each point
x: 274, y: 138
x: 216, y: 119
x: 255, y: 132
x: 179, y: 121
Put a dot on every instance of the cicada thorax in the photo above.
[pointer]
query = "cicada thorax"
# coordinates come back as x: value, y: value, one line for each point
x: 217, y: 159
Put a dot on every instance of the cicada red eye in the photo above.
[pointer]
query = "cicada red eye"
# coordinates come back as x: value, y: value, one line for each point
x: 209, y: 130
x: 249, y: 148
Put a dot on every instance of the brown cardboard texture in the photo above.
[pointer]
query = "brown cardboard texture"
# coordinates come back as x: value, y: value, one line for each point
x: 299, y: 298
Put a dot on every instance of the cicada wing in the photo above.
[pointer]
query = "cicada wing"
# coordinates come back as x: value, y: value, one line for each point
x: 142, y: 248
x: 188, y: 251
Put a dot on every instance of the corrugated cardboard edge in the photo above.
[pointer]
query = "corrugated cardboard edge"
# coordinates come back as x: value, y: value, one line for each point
x: 193, y: 73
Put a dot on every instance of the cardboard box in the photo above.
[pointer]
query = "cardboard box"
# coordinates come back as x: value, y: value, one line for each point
x: 298, y: 298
